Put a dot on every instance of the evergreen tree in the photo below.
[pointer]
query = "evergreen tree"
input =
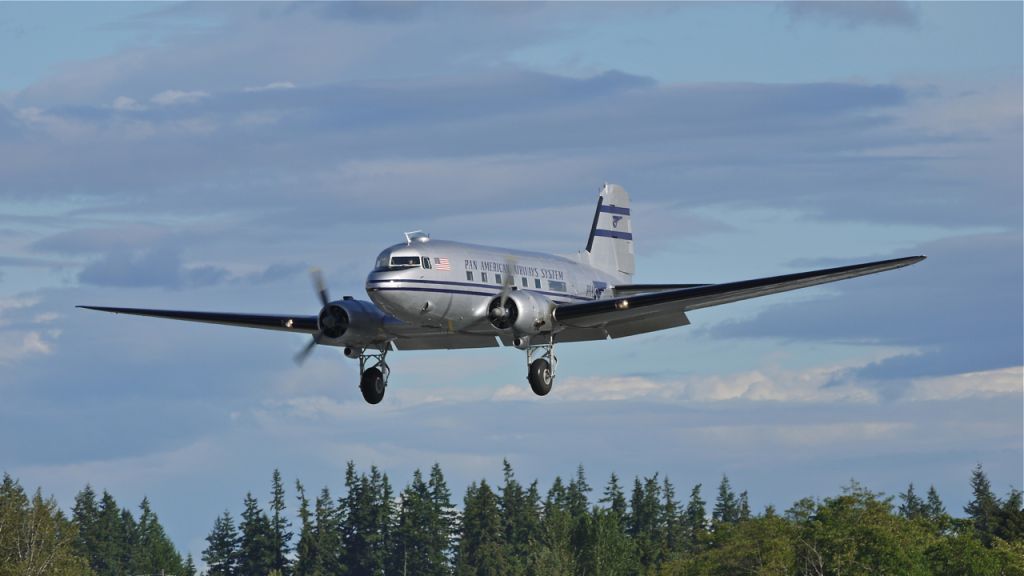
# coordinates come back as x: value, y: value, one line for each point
x: 744, y: 507
x: 607, y: 550
x: 520, y: 523
x: 726, y: 510
x: 189, y: 568
x: 222, y: 551
x: 671, y: 519
x: 614, y: 498
x: 556, y: 554
x: 280, y: 537
x: 113, y: 536
x: 695, y: 520
x: 153, y: 552
x: 306, y: 550
x: 578, y: 504
x: 256, y: 552
x: 418, y: 550
x: 330, y: 548
x: 366, y: 528
x: 85, y: 514
x: 481, y: 547
x: 983, y: 509
x: 1011, y: 517
x: 445, y: 516
x: 934, y: 509
x: 911, y: 505
x: 645, y: 522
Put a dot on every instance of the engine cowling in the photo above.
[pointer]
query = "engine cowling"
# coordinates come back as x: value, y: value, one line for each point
x: 524, y: 312
x: 350, y: 322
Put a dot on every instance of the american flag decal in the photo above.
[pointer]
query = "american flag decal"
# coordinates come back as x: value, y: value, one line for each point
x: 442, y: 264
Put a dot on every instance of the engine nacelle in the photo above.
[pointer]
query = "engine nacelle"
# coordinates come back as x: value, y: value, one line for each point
x: 351, y: 322
x: 524, y: 313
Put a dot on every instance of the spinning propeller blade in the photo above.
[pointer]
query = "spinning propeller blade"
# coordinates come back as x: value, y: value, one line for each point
x: 321, y: 288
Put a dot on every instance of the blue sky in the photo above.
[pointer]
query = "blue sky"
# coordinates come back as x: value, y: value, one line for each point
x: 205, y: 156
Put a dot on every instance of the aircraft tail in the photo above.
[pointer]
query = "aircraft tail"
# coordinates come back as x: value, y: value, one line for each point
x: 610, y: 246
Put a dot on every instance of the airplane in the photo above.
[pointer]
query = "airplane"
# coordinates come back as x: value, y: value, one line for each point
x: 428, y: 294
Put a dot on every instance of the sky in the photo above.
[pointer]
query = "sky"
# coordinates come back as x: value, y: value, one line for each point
x: 205, y: 156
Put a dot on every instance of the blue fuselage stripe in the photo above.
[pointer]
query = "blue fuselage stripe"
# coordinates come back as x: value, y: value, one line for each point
x: 377, y: 285
x: 614, y: 234
x: 614, y: 210
x: 450, y: 291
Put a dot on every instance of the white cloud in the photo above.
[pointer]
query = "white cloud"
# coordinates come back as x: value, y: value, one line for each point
x: 175, y: 97
x: 268, y: 87
x: 984, y: 384
x: 15, y: 346
x: 127, y: 104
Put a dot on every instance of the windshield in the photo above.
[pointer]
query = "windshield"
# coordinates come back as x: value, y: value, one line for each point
x: 404, y: 262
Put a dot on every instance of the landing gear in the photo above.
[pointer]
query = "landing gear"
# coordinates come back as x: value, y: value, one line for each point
x: 373, y: 379
x: 541, y: 360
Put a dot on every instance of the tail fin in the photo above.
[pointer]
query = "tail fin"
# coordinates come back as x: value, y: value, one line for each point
x: 610, y: 246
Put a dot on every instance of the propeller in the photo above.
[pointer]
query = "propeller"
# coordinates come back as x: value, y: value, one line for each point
x: 503, y: 315
x: 321, y: 288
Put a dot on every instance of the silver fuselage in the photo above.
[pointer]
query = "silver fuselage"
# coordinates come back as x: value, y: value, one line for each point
x: 462, y: 279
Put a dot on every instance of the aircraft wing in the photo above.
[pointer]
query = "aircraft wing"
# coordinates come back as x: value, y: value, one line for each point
x: 301, y: 324
x: 651, y: 311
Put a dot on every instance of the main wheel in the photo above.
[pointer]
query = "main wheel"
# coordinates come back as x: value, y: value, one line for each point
x: 540, y: 376
x: 371, y: 384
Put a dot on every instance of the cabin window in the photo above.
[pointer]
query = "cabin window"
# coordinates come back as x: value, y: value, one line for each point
x: 497, y: 278
x: 426, y: 263
x: 469, y: 275
x: 536, y: 283
x: 524, y: 282
x: 398, y: 262
x: 556, y: 285
x: 483, y: 276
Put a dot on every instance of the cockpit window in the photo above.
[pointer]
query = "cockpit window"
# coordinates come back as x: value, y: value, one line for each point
x: 388, y: 262
x: 398, y: 262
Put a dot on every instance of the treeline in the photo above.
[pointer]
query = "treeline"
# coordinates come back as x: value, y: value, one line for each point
x: 516, y: 529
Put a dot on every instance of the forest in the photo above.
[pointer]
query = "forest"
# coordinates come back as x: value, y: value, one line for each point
x: 517, y: 529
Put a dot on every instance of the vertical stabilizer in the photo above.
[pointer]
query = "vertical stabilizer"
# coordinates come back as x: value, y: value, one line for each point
x: 610, y: 246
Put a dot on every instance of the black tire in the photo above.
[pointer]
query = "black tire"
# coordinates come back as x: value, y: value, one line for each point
x: 372, y: 385
x: 540, y: 377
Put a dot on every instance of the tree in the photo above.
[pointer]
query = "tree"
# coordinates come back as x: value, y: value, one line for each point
x: 1011, y: 517
x: 911, y: 505
x: 444, y: 515
x: 36, y: 539
x: 189, y: 568
x: 607, y: 550
x: 744, y: 513
x: 114, y: 534
x: 280, y: 537
x: 330, y: 547
x: 520, y: 523
x: 85, y: 514
x: 417, y: 548
x: 614, y: 498
x: 645, y: 522
x: 726, y: 510
x: 256, y: 552
x: 481, y: 546
x: 153, y: 552
x: 983, y: 509
x: 306, y: 550
x: 671, y: 521
x: 695, y: 520
x: 222, y: 551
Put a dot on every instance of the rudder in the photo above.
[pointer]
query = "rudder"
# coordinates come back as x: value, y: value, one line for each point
x: 610, y: 245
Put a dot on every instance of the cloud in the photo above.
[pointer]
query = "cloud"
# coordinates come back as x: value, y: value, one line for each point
x: 160, y: 266
x: 271, y: 86
x: 854, y: 14
x: 175, y: 97
x: 125, y: 103
x: 991, y: 383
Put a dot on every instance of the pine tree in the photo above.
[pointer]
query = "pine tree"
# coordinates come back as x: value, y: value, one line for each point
x: 445, y: 515
x: 695, y: 520
x: 726, y: 509
x: 189, y: 569
x: 153, y: 551
x: 614, y: 498
x: 481, y: 546
x: 113, y: 539
x: 328, y: 531
x: 222, y: 552
x: 256, y: 552
x: 1011, y: 517
x: 85, y: 514
x: 520, y: 522
x: 306, y: 550
x: 744, y: 513
x: 280, y: 537
x: 645, y: 522
x: 983, y: 509
x: 671, y: 520
x: 911, y: 505
x: 417, y: 548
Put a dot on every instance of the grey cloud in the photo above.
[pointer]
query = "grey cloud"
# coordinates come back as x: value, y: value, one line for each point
x: 161, y: 266
x: 961, y: 307
x: 855, y: 14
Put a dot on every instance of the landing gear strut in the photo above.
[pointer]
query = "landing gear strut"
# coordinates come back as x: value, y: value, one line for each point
x: 541, y: 361
x: 373, y: 371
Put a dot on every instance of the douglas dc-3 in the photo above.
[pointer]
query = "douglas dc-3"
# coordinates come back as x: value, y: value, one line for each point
x: 431, y: 294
